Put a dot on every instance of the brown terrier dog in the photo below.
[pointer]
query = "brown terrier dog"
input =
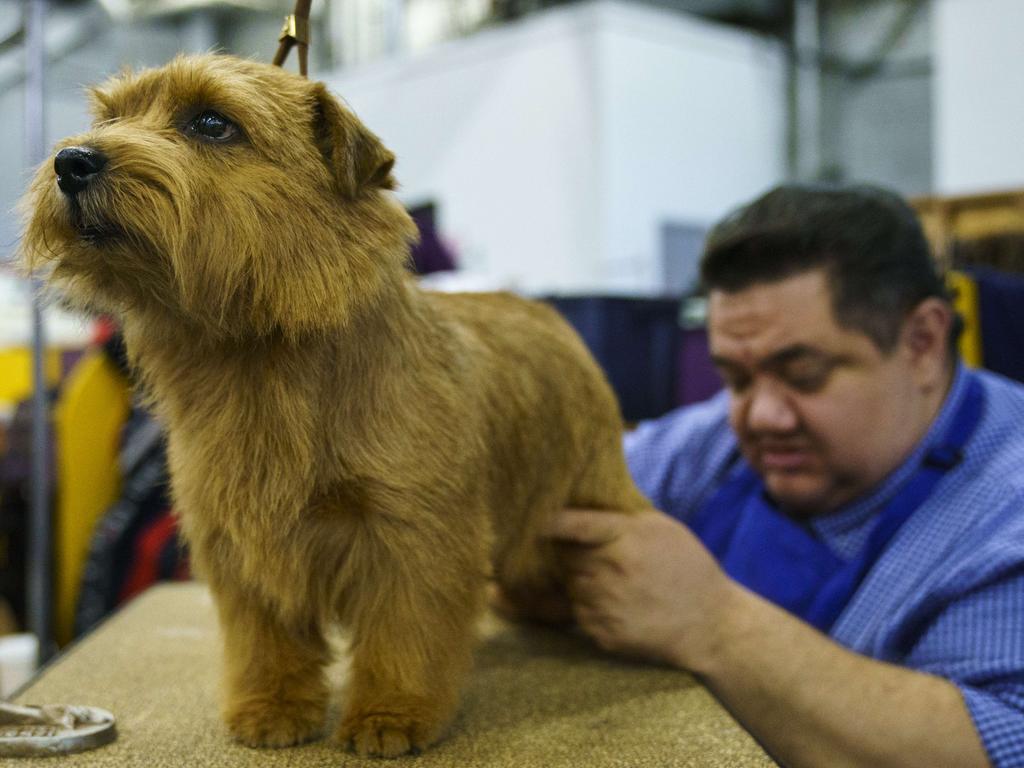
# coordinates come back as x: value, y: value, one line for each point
x: 344, y: 447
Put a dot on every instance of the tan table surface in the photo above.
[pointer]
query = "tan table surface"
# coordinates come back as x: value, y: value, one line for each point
x: 536, y: 698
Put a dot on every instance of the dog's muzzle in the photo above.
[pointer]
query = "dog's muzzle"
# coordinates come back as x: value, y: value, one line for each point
x: 77, y: 167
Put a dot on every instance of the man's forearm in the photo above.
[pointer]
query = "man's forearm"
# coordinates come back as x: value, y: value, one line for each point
x: 811, y: 702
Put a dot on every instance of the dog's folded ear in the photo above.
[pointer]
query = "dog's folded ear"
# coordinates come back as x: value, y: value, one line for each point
x: 357, y: 159
x: 101, y: 104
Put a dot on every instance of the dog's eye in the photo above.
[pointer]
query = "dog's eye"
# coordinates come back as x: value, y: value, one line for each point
x: 213, y: 126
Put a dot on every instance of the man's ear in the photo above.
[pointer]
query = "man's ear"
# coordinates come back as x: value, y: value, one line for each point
x: 926, y: 339
x: 357, y: 159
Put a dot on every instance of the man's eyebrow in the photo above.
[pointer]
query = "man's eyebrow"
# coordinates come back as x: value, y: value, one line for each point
x: 795, y: 352
x: 779, y: 358
x: 724, y: 362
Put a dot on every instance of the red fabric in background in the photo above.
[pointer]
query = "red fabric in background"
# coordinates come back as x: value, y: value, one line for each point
x: 150, y: 544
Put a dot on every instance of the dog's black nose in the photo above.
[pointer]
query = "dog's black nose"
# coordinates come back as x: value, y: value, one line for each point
x: 76, y: 167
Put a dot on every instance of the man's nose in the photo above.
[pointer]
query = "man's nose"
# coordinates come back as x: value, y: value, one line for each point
x: 769, y: 410
x: 76, y: 167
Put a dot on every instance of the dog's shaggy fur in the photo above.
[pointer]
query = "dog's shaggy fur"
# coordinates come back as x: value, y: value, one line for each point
x: 344, y: 447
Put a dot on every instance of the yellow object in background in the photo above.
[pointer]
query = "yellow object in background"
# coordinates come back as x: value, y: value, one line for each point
x: 965, y: 301
x: 16, y: 373
x: 88, y: 420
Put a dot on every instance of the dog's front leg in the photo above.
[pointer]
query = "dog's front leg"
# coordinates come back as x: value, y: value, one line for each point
x: 411, y: 648
x: 275, y: 692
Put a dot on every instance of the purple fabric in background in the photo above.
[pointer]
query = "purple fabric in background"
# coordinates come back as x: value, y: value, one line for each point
x: 635, y: 341
x: 1000, y: 299
x: 697, y: 380
x: 430, y: 254
x: 652, y: 364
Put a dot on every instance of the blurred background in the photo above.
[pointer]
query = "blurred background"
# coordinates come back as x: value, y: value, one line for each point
x: 571, y: 151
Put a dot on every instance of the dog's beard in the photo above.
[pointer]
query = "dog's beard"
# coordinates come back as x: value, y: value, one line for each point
x: 93, y: 230
x: 87, y: 256
x: 128, y: 245
x: 62, y: 226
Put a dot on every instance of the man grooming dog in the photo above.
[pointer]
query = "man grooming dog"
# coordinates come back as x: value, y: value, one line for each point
x: 841, y: 556
x: 343, y: 447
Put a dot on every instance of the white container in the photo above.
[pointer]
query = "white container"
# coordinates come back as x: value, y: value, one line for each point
x: 19, y: 657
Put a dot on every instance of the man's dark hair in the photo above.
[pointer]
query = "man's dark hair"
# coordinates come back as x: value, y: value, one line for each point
x: 867, y: 240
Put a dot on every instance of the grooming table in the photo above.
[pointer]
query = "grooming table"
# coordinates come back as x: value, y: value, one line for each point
x: 536, y: 698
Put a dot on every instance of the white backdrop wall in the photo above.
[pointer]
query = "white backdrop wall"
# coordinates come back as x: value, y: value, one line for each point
x: 693, y: 122
x: 556, y: 147
x: 979, y: 99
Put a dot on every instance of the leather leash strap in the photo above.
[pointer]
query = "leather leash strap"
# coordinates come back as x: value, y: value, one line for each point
x: 295, y: 32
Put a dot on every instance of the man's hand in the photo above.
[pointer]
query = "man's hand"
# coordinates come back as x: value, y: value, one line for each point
x: 642, y: 584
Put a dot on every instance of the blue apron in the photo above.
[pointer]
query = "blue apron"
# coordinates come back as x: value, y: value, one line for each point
x: 778, y: 559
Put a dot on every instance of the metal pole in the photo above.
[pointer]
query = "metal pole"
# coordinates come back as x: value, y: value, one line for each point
x: 40, y: 534
x: 808, y: 150
x: 394, y: 26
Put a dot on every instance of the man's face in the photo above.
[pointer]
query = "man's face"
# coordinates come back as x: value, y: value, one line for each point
x: 821, y: 414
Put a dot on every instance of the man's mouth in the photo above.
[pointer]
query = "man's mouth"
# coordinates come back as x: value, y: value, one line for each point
x: 783, y: 458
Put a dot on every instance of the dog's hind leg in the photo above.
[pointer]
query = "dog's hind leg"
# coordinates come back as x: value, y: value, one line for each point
x: 603, y: 481
x: 275, y: 692
x: 528, y: 570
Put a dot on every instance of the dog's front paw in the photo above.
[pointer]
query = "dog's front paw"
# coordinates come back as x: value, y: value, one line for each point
x: 384, y: 734
x: 275, y: 724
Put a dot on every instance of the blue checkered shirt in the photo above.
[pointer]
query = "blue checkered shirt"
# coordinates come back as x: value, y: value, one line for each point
x: 947, y: 595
